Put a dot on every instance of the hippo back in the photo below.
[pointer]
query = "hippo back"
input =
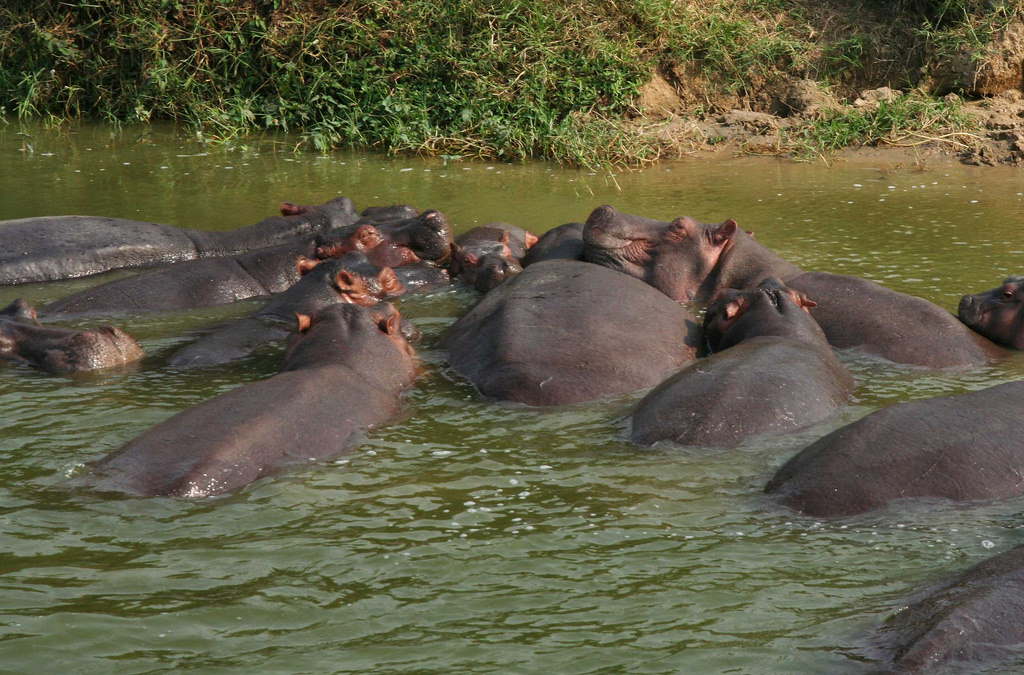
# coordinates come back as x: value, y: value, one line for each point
x: 566, y: 331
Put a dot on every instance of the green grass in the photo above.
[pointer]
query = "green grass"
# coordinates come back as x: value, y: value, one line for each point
x: 501, y: 79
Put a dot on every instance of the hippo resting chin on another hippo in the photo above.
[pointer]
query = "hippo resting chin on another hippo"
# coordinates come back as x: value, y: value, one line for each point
x: 970, y: 622
x: 773, y: 371
x: 997, y: 314
x: 65, y: 247
x: 63, y: 351
x: 566, y: 331
x: 960, y: 448
x: 344, y: 373
x: 692, y: 262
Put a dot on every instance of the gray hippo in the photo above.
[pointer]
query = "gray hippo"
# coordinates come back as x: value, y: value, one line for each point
x: 960, y: 448
x: 65, y: 247
x: 772, y: 370
x: 490, y: 254
x: 564, y: 242
x: 392, y: 243
x: 343, y: 373
x: 997, y: 314
x: 969, y: 623
x: 216, y: 281
x: 351, y: 278
x: 62, y: 351
x: 565, y: 331
x: 692, y: 262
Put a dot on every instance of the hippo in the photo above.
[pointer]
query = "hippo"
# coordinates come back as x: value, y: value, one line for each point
x: 342, y: 374
x: 351, y: 278
x: 564, y: 242
x: 997, y: 314
x: 215, y: 281
x: 62, y: 351
x: 426, y: 237
x: 772, y: 370
x: 958, y: 448
x: 64, y: 247
x: 487, y: 255
x: 973, y: 621
x: 565, y: 331
x: 691, y: 262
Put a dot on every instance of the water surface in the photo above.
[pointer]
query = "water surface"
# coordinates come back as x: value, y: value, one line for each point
x: 473, y: 536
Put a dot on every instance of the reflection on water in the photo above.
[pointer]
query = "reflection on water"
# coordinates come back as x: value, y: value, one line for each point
x: 473, y: 536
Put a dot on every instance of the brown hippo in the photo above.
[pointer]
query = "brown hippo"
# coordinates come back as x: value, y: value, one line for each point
x: 64, y: 247
x: 565, y: 331
x: 966, y: 624
x: 772, y: 370
x: 343, y: 373
x: 960, y: 448
x: 488, y: 255
x: 63, y: 351
x: 997, y: 314
x: 351, y: 278
x: 692, y: 262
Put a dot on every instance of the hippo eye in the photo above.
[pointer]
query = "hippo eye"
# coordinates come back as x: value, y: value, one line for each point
x: 1007, y: 295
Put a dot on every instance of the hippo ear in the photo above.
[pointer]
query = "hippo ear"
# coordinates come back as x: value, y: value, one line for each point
x: 732, y: 309
x: 531, y: 239
x: 304, y: 321
x: 344, y: 280
x: 455, y: 266
x: 306, y: 265
x: 802, y: 300
x: 389, y: 324
x: 367, y: 237
x: 290, y: 209
x: 505, y: 238
x: 389, y: 282
x: 723, y: 233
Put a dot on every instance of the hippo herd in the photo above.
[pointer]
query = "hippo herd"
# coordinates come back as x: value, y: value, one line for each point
x: 589, y: 310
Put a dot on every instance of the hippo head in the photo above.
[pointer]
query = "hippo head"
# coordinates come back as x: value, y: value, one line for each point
x: 485, y: 265
x: 429, y: 235
x: 675, y: 257
x: 770, y: 309
x: 337, y: 212
x: 368, y: 340
x: 997, y: 314
x: 19, y: 310
x: 363, y: 238
x: 354, y: 278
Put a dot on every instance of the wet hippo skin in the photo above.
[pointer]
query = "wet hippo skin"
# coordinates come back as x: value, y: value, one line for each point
x: 997, y: 314
x: 958, y: 448
x: 567, y: 331
x: 343, y: 374
x: 772, y: 371
x: 64, y: 247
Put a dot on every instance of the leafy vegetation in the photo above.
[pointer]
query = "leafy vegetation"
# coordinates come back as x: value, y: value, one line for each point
x: 505, y: 79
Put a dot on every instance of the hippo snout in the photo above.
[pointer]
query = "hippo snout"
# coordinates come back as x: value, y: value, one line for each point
x: 968, y: 311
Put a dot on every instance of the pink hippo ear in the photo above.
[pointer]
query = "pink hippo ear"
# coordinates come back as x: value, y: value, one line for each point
x: 306, y: 265
x: 733, y: 307
x: 505, y: 238
x: 724, y: 233
x: 388, y: 324
x: 303, y: 321
x: 367, y: 237
x: 389, y: 282
x: 531, y: 239
x: 802, y: 300
x: 290, y: 209
x: 455, y: 266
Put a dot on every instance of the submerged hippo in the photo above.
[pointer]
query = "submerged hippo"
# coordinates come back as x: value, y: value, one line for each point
x: 350, y: 279
x: 772, y: 371
x: 971, y: 622
x: 960, y: 448
x: 488, y: 255
x: 997, y: 314
x: 567, y: 331
x: 65, y: 247
x: 692, y: 262
x: 343, y: 374
x: 392, y: 243
x: 63, y: 351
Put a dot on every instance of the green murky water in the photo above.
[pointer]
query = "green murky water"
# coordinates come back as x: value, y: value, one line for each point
x: 473, y: 536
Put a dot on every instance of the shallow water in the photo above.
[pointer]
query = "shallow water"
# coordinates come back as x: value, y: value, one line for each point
x: 473, y: 536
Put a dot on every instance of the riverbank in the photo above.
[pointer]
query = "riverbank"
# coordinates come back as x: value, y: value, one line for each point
x: 581, y: 83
